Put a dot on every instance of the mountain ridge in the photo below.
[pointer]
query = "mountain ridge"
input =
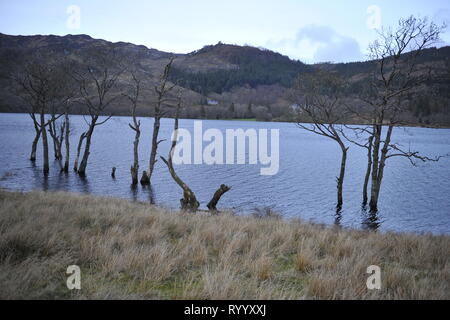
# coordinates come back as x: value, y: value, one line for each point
x: 230, y: 74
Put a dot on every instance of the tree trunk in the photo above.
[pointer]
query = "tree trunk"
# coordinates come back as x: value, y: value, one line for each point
x: 154, y: 150
x: 35, y: 142
x: 54, y: 136
x: 162, y: 90
x: 216, y: 197
x: 134, y: 99
x: 368, y: 170
x: 67, y: 133
x: 382, y: 163
x: 189, y: 201
x: 61, y: 138
x: 134, y: 174
x: 144, y: 179
x: 80, y: 143
x: 379, y: 163
x: 374, y: 190
x: 135, y: 166
x: 44, y: 144
x: 340, y: 179
x: 87, y: 147
x: 54, y: 139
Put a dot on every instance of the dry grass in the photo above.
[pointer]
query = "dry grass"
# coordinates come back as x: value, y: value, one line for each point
x: 132, y: 250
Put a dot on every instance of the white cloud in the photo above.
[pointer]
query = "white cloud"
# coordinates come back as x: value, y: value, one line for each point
x: 318, y: 44
x: 442, y: 16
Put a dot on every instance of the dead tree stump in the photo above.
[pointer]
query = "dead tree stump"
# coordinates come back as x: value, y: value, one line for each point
x: 134, y: 175
x: 145, y: 180
x: 216, y: 197
x: 189, y: 202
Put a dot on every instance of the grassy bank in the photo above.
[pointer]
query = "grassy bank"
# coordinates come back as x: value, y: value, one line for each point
x: 133, y: 250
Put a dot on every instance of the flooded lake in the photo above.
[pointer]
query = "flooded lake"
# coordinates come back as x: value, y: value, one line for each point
x: 414, y: 199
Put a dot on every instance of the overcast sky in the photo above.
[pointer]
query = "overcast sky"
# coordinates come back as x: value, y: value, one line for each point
x: 324, y: 30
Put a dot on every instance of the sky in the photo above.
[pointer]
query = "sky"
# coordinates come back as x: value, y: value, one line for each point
x: 310, y: 31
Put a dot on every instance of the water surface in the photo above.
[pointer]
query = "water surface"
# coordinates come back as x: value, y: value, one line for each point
x: 412, y: 199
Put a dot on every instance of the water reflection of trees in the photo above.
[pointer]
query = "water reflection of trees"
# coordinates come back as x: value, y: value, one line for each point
x: 84, y: 184
x: 370, y: 219
x: 40, y: 181
x: 134, y: 191
x: 338, y: 217
x: 146, y: 189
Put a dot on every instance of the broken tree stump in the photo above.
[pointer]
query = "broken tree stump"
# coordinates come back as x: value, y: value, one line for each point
x: 145, y: 180
x: 216, y: 197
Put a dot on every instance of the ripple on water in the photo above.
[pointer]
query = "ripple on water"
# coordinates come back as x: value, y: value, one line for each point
x: 412, y: 198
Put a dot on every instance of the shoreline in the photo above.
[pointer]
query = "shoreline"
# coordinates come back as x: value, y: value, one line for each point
x: 205, y: 211
x: 134, y: 250
x: 430, y: 126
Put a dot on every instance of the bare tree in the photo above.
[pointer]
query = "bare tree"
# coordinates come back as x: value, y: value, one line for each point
x: 80, y: 145
x: 58, y: 107
x: 17, y: 71
x: 162, y: 90
x: 189, y: 201
x: 396, y: 74
x: 133, y: 97
x: 97, y: 80
x: 67, y: 140
x: 30, y: 94
x: 367, y: 144
x: 42, y: 86
x: 37, y: 135
x: 57, y: 135
x: 319, y: 99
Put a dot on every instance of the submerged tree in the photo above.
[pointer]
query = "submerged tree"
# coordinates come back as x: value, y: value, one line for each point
x: 189, y: 201
x: 66, y: 139
x: 319, y: 99
x: 56, y: 131
x: 43, y: 86
x: 80, y: 145
x: 37, y: 134
x: 97, y: 79
x: 133, y: 97
x: 396, y: 74
x: 162, y: 91
x: 17, y: 72
x: 367, y: 144
x: 65, y: 129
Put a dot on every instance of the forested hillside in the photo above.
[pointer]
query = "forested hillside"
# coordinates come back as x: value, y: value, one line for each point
x: 245, y: 66
x: 224, y: 81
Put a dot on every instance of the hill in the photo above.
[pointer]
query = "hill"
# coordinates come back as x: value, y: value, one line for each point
x: 16, y: 50
x: 222, y: 80
x: 222, y: 67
